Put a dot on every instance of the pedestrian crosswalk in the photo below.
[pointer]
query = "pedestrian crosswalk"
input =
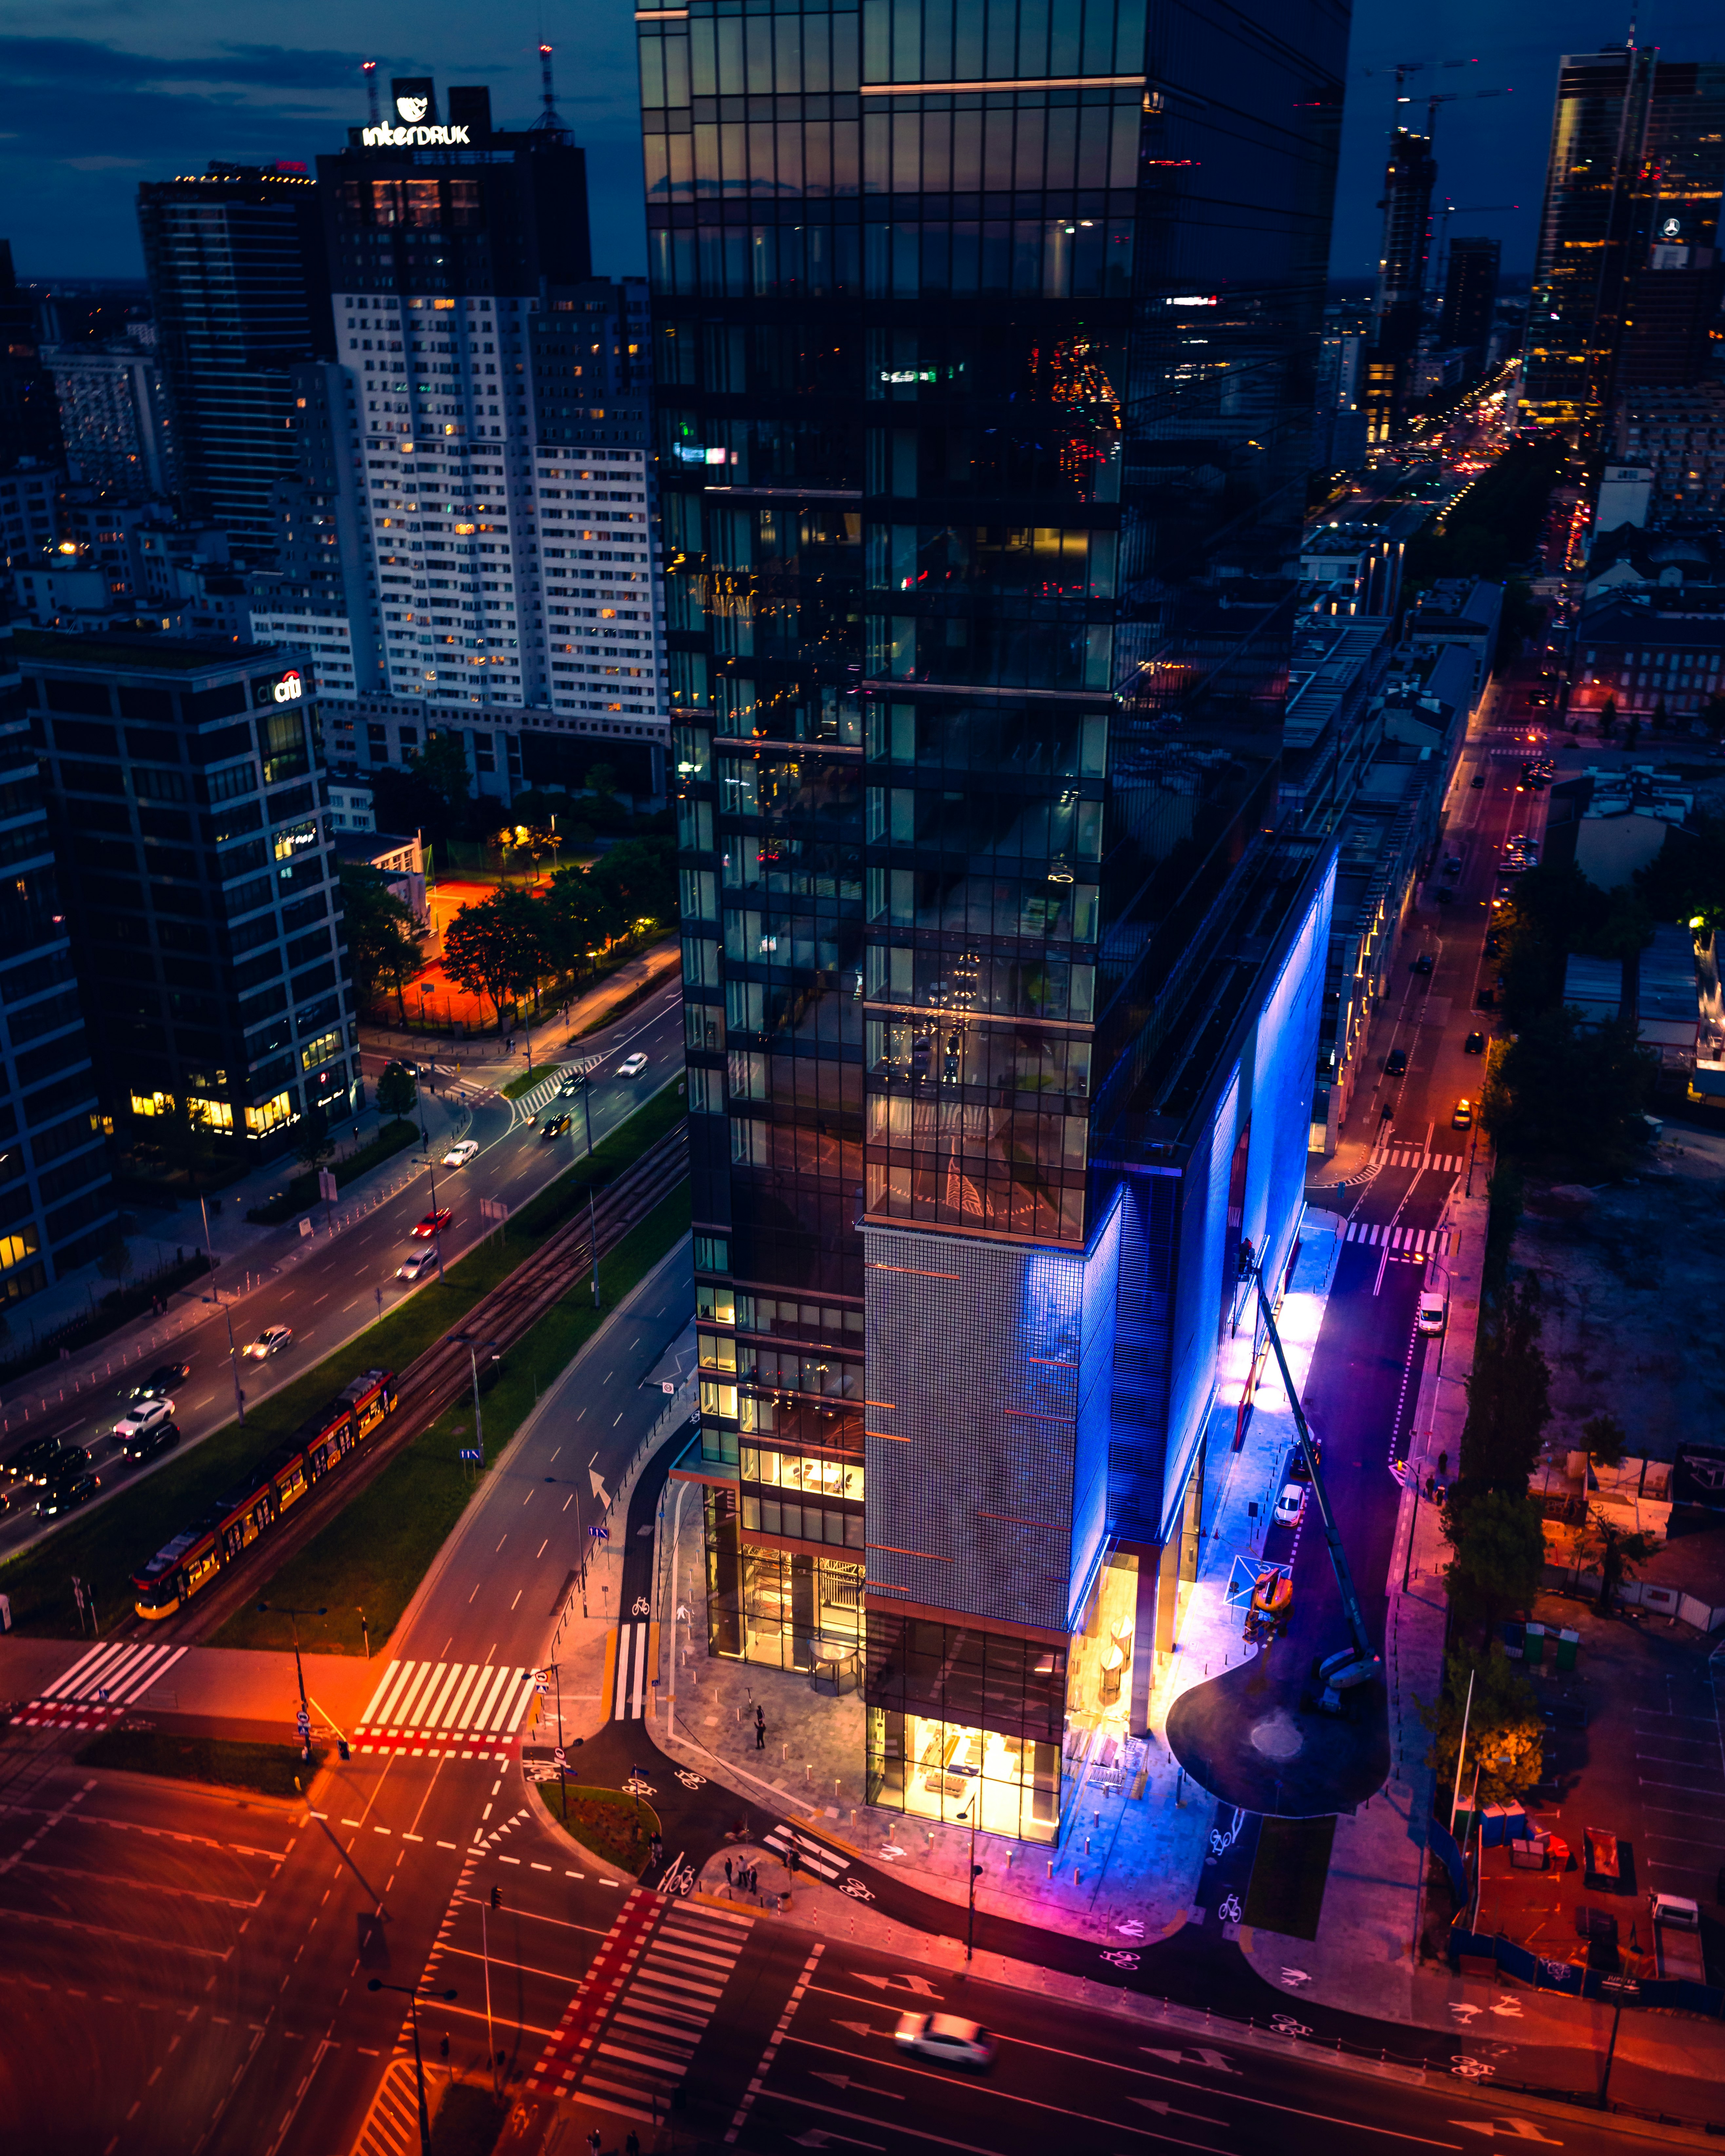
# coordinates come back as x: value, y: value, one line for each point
x: 449, y: 1710
x: 635, y: 1657
x: 529, y: 1103
x: 1441, y: 1163
x: 100, y: 1686
x: 811, y: 1856
x: 1408, y: 1242
x: 641, y: 2055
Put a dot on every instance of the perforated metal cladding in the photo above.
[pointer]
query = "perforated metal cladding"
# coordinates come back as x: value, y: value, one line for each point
x: 1149, y: 1223
x: 976, y: 1358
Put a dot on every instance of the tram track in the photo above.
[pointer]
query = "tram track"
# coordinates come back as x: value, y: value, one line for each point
x: 440, y: 1377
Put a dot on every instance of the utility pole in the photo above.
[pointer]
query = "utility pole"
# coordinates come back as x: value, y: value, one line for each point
x: 233, y: 1362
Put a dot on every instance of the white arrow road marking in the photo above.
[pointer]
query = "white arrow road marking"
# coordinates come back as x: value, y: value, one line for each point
x: 844, y: 2081
x: 860, y: 2028
x: 1152, y: 2103
x: 1517, y: 2129
x: 1200, y: 2057
x: 818, y: 2137
x: 900, y: 1982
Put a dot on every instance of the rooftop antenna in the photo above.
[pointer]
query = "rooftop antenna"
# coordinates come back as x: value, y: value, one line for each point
x: 548, y: 118
x: 368, y: 68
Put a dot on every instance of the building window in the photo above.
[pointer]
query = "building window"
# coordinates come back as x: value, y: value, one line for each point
x: 269, y: 1115
x: 319, y: 1050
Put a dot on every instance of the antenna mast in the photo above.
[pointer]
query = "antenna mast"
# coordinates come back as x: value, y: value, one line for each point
x: 368, y: 68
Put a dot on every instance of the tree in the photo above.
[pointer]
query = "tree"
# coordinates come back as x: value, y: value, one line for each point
x: 397, y: 1095
x: 1605, y: 1440
x: 1508, y: 1396
x: 578, y: 915
x: 1506, y: 1730
x: 601, y: 779
x: 640, y: 879
x: 499, y: 947
x: 1631, y: 732
x: 1499, y: 1560
x: 1560, y: 1089
x: 1608, y: 718
x: 1616, y: 1552
x: 380, y: 939
x: 314, y: 1145
x: 428, y: 794
x: 115, y: 1261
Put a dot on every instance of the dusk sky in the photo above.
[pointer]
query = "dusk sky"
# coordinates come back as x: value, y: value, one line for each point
x: 101, y: 94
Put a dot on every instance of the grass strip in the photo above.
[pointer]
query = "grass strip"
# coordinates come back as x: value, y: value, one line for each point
x: 612, y: 1826
x: 271, y: 1770
x: 524, y: 1081
x: 105, y: 1547
x: 373, y: 1554
x: 301, y: 1194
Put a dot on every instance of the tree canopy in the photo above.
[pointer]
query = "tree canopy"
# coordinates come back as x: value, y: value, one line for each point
x: 380, y: 938
x: 397, y: 1095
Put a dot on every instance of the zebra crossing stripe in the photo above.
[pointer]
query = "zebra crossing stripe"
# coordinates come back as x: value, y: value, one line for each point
x: 1406, y: 1242
x: 813, y: 1856
x: 120, y: 1669
x: 446, y: 1703
x: 630, y: 1693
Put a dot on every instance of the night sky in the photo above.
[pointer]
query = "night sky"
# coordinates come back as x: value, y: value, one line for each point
x: 118, y: 92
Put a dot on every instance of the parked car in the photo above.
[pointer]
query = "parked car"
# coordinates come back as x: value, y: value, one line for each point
x: 1424, y: 963
x: 632, y: 1066
x: 1297, y: 1471
x: 1395, y: 1064
x: 160, y: 1382
x: 1462, y: 1118
x: 1478, y: 778
x: 1475, y: 1044
x: 270, y: 1342
x: 146, y: 1444
x: 555, y: 1125
x: 67, y: 1496
x: 945, y: 2038
x: 463, y: 1151
x: 1452, y: 867
x: 1485, y: 999
x: 146, y: 1415
x: 1429, y: 1316
x: 1291, y: 1504
x: 416, y: 1265
x: 435, y: 1222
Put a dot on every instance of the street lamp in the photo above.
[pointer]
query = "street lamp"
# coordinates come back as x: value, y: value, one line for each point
x: 466, y: 1340
x: 974, y: 1806
x: 233, y: 1360
x: 411, y: 1993
x: 293, y: 1616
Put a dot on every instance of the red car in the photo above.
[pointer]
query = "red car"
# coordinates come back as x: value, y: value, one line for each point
x: 433, y: 1223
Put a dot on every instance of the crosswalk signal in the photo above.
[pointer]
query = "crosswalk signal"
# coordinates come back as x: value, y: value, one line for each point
x: 341, y: 1748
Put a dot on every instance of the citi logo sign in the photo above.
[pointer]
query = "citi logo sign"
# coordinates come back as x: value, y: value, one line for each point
x: 289, y: 689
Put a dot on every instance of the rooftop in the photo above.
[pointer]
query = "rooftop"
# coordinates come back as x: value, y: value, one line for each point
x: 110, y: 652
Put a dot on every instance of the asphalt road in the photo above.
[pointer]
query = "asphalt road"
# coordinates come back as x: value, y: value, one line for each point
x: 343, y: 1284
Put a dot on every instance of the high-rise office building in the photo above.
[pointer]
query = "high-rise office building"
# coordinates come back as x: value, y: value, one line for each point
x: 57, y: 1203
x: 498, y: 472
x: 1398, y: 307
x: 1470, y: 297
x: 114, y: 417
x: 1625, y: 289
x: 985, y: 347
x: 198, y: 877
x: 29, y: 414
x: 237, y: 283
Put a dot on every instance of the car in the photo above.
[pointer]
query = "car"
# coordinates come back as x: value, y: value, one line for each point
x: 573, y: 1081
x: 555, y: 1125
x: 1291, y: 1504
x: 1478, y: 778
x: 416, y: 1265
x: 66, y: 1496
x: 146, y: 1444
x: 632, y: 1066
x: 1461, y: 1117
x: 435, y: 1221
x: 1296, y: 1469
x: 1429, y: 1313
x: 35, y: 1462
x: 1425, y: 962
x: 945, y: 2038
x: 1475, y: 1044
x: 1444, y: 896
x: 1494, y: 944
x: 1485, y: 999
x: 270, y: 1342
x: 1396, y: 1062
x: 1452, y: 867
x: 161, y: 1380
x: 463, y: 1151
x: 144, y: 1416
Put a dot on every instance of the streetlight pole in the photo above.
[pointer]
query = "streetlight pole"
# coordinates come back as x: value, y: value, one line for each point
x: 466, y: 1340
x: 976, y: 1805
x: 293, y: 1617
x: 411, y: 1994
x: 233, y: 1364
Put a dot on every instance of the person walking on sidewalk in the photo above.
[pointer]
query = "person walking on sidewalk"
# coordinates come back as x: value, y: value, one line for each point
x: 727, y: 1875
x: 760, y: 1729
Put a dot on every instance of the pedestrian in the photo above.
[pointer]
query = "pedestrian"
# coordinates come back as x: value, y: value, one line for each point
x: 632, y: 2147
x: 593, y: 2143
x: 760, y: 1730
x: 727, y: 1875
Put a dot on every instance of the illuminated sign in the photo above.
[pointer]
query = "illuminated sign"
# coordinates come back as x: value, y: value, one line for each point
x: 693, y: 453
x: 413, y: 110
x: 1192, y: 299
x: 385, y: 137
x: 288, y: 688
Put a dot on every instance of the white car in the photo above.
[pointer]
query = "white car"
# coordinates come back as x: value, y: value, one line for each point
x: 140, y: 1420
x: 1429, y: 1316
x: 270, y: 1342
x: 632, y: 1066
x: 458, y: 1155
x: 945, y: 2038
x: 416, y: 1265
x: 1291, y: 1504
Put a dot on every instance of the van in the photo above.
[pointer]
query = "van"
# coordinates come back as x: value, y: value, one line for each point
x: 1432, y: 1310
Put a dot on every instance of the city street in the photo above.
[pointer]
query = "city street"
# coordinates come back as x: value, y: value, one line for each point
x: 344, y: 1281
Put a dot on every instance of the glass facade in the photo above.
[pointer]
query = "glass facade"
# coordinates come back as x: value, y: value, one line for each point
x: 985, y: 341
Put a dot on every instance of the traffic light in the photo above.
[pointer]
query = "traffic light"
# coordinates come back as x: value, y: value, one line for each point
x: 341, y: 1748
x: 497, y: 1898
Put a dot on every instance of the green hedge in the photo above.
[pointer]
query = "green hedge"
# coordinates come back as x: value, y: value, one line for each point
x: 301, y: 1194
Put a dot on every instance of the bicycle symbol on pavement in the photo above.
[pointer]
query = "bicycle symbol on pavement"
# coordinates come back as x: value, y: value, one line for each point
x: 856, y: 1890
x: 1122, y: 1958
x: 636, y: 1786
x: 1472, y: 2070
x: 1285, y: 2025
x: 690, y: 1781
x: 640, y: 1607
x: 1229, y: 1909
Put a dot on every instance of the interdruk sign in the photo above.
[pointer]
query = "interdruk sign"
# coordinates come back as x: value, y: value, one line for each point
x: 384, y: 136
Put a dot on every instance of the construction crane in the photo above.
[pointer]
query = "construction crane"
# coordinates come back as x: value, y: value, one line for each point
x: 1450, y: 97
x: 1354, y: 1664
x: 1401, y: 69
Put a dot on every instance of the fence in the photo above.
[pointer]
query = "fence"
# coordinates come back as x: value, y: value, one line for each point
x: 1577, y: 1981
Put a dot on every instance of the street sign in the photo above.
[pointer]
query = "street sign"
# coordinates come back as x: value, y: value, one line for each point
x: 600, y: 1534
x: 469, y: 1453
x: 493, y: 1209
x: 561, y: 1756
x: 305, y: 1225
x: 326, y: 1185
x: 667, y: 1384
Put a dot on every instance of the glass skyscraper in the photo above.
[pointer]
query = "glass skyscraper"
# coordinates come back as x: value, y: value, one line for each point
x: 984, y: 342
